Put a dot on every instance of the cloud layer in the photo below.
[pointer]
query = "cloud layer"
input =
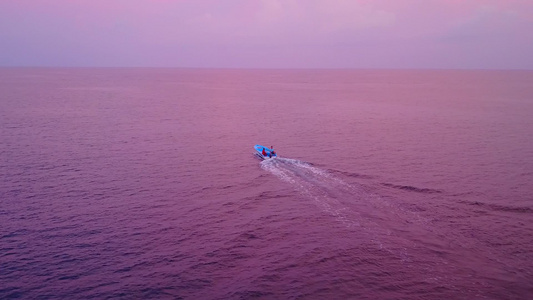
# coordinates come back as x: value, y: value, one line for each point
x: 268, y: 33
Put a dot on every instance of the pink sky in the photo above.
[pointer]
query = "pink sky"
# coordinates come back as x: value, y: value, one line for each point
x: 466, y: 34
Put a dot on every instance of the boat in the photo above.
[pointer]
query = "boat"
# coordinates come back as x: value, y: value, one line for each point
x: 270, y: 153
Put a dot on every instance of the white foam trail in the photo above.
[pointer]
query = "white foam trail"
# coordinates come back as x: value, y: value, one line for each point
x: 314, y: 183
x: 349, y: 204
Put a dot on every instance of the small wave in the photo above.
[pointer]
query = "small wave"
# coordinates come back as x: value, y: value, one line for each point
x: 413, y: 188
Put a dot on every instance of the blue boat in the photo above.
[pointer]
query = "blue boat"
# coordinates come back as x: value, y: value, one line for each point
x: 270, y: 153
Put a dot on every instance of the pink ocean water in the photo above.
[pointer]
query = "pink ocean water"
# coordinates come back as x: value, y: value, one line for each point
x: 141, y: 183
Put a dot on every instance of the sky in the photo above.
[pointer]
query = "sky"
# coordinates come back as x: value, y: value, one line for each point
x: 389, y: 34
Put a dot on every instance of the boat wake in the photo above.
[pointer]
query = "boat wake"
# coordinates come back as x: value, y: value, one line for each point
x: 327, y: 191
x: 351, y: 204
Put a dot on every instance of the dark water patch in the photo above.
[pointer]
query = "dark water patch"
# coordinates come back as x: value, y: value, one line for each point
x: 468, y: 194
x: 69, y: 277
x: 203, y: 264
x: 6, y: 251
x: 265, y: 195
x: 15, y: 234
x: 12, y: 293
x: 350, y: 174
x: 248, y: 236
x: 497, y: 207
x: 412, y: 188
x: 128, y: 269
x: 252, y: 294
x: 271, y: 195
x: 412, y: 207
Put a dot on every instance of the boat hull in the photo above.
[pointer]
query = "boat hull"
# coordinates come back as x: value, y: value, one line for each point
x: 259, y: 152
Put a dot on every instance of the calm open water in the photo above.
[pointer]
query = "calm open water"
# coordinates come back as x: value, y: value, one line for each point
x: 141, y: 183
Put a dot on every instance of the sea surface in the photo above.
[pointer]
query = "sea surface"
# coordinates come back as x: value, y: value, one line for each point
x: 142, y: 184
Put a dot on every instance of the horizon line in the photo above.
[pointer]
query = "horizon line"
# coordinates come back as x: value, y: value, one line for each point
x: 268, y: 68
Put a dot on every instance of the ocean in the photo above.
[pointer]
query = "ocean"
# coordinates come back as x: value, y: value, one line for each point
x: 142, y: 184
